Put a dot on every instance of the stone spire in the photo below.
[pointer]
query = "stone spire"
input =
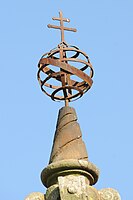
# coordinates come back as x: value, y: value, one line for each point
x: 68, y: 142
x: 69, y: 175
x: 69, y: 155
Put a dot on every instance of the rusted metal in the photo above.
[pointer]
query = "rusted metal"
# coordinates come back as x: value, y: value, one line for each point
x: 64, y: 68
x: 61, y: 27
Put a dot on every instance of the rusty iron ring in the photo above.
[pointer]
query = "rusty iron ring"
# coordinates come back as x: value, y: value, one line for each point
x: 68, y: 48
x: 72, y: 58
x: 57, y: 50
x: 70, y: 69
x: 57, y: 62
x: 82, y: 87
x: 60, y: 98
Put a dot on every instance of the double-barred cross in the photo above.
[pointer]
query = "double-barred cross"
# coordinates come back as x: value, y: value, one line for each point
x: 61, y: 27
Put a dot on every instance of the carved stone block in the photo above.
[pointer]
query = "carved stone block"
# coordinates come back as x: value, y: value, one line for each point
x: 74, y: 187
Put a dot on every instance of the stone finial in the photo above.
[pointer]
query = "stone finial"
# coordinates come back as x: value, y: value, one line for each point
x: 35, y: 196
x: 69, y: 155
x: 109, y: 194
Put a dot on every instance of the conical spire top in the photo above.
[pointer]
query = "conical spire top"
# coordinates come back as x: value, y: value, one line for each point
x: 68, y: 142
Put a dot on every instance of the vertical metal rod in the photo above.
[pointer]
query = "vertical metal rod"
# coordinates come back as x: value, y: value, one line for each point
x: 61, y: 26
x: 66, y: 102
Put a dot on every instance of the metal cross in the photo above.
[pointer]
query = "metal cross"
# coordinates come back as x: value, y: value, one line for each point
x: 61, y: 27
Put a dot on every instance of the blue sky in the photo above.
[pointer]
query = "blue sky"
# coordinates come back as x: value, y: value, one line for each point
x: 105, y: 113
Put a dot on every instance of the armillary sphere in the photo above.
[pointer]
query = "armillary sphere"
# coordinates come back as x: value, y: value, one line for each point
x: 61, y: 72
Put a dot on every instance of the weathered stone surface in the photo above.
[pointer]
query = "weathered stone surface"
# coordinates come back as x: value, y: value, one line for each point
x: 68, y: 151
x: 35, y: 196
x: 68, y: 143
x: 52, y: 193
x: 69, y: 175
x: 92, y: 194
x: 54, y: 170
x: 109, y: 194
x: 74, y: 187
